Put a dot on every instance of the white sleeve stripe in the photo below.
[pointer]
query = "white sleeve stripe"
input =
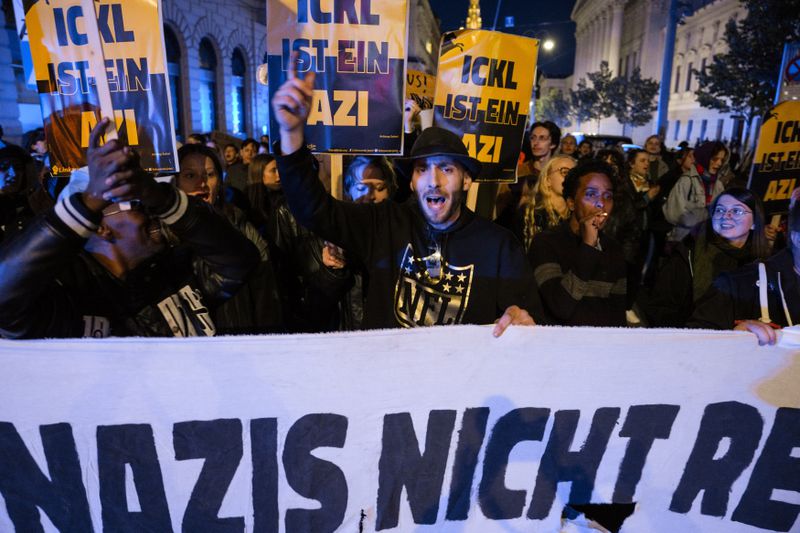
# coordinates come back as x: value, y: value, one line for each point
x: 72, y: 218
x: 177, y: 210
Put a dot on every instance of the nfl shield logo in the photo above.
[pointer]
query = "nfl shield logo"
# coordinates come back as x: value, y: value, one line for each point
x: 423, y: 298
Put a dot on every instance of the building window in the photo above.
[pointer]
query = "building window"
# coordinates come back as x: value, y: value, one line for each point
x: 689, y: 77
x: 173, y: 51
x: 677, y: 130
x: 208, y: 86
x: 677, y: 79
x: 703, y: 65
x: 720, y: 126
x: 716, y: 32
x: 703, y: 128
x: 238, y: 101
x: 689, y: 129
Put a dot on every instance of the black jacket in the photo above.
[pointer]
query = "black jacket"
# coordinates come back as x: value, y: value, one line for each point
x: 734, y: 295
x: 50, y: 287
x: 579, y: 285
x: 483, y: 268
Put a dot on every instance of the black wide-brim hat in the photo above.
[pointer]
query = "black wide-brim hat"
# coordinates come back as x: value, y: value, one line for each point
x: 435, y: 141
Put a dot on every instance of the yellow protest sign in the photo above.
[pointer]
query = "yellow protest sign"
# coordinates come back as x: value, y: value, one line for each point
x: 357, y: 50
x: 135, y: 66
x: 419, y: 87
x: 776, y: 165
x: 483, y: 90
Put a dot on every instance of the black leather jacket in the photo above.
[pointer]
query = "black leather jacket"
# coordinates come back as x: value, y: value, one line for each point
x: 50, y: 287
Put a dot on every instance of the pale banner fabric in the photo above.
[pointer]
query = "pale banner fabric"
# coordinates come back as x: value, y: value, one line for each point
x: 430, y: 430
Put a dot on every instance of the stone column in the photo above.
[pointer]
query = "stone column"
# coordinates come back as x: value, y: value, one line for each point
x: 605, y: 32
x: 580, y: 47
x: 615, y: 36
x: 593, y: 42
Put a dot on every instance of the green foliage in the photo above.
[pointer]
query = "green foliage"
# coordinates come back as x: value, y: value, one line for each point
x: 631, y: 100
x: 606, y: 89
x: 555, y: 108
x: 635, y: 99
x: 584, y: 101
x: 744, y: 79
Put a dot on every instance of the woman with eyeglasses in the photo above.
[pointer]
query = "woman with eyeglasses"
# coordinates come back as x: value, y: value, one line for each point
x: 733, y: 236
x: 543, y: 207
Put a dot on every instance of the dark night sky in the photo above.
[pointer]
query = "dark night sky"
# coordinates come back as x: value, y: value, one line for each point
x: 534, y: 18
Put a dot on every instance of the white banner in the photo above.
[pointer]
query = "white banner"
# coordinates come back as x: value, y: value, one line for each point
x: 430, y: 430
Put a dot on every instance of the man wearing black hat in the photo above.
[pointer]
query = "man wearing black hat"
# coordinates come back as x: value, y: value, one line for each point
x: 433, y: 263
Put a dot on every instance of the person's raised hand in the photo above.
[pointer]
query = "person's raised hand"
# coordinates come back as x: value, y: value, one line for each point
x: 291, y: 106
x: 589, y: 227
x: 411, y: 111
x: 109, y: 163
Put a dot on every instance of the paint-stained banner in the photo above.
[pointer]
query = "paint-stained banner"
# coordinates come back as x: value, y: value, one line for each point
x: 133, y: 46
x: 483, y: 89
x: 443, y: 429
x: 357, y: 50
x: 419, y: 87
x: 776, y: 165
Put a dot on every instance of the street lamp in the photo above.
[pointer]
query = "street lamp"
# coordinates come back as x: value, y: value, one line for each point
x: 548, y: 45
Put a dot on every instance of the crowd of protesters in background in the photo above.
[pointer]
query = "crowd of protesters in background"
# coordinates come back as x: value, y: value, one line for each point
x: 651, y: 237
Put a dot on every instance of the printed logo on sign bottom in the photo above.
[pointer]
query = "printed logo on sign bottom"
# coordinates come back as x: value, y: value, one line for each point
x: 422, y: 300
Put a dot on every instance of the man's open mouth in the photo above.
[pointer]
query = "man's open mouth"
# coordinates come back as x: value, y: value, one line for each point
x: 435, y: 200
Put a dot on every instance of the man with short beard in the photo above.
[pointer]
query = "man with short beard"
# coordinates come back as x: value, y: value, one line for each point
x: 429, y: 263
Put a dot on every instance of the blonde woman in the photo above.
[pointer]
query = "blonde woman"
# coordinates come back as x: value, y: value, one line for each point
x: 543, y: 206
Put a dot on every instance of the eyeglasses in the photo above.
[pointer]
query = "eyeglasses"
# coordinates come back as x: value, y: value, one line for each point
x: 736, y: 212
x: 563, y: 171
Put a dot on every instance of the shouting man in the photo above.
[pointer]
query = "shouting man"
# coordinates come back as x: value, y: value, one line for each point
x: 429, y: 263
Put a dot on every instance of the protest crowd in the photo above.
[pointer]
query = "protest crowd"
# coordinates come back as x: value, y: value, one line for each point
x: 647, y: 238
x: 242, y: 241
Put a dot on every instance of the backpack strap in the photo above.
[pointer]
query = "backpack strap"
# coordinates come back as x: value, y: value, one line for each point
x: 783, y: 301
x: 762, y: 293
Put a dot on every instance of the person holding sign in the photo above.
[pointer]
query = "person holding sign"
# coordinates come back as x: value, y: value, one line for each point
x: 430, y: 263
x: 96, y: 265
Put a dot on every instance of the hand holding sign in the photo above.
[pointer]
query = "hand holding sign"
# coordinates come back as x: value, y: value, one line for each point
x: 108, y: 164
x: 291, y: 105
x: 116, y: 175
